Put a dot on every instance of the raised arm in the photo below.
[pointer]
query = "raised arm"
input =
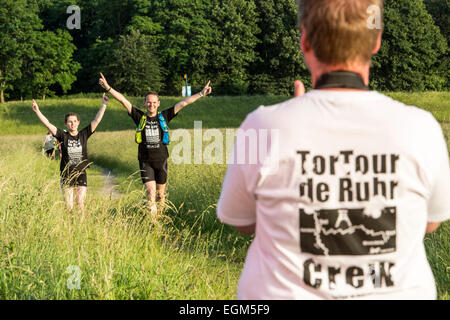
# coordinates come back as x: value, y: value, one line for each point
x: 117, y: 95
x: 188, y: 100
x: 100, y: 113
x: 43, y: 119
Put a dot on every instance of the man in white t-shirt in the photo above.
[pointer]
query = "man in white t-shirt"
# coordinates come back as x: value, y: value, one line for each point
x: 341, y: 184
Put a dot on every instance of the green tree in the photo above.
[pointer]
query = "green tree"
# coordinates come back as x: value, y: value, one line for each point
x: 101, y: 21
x: 183, y: 34
x: 411, y: 48
x: 206, y: 39
x: 53, y: 63
x: 18, y: 25
x: 440, y: 11
x: 279, y: 57
x: 232, y: 51
x: 97, y: 58
x: 135, y: 67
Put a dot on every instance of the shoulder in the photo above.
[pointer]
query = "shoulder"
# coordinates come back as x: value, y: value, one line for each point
x: 86, y: 131
x: 136, y: 114
x: 408, y: 115
x: 60, y: 133
x: 169, y: 113
x: 169, y: 110
x: 135, y: 111
x: 269, y: 116
x: 311, y: 108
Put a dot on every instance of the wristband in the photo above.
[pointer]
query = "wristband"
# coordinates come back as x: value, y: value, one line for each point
x: 103, y: 105
x: 109, y: 89
x: 200, y: 93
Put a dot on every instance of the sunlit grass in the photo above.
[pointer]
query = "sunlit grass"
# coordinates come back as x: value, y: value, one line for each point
x: 121, y: 253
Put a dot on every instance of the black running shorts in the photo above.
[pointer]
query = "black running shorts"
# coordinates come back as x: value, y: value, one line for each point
x: 74, y: 179
x: 154, y: 170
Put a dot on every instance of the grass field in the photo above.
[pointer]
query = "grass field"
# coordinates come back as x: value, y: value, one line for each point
x: 118, y: 252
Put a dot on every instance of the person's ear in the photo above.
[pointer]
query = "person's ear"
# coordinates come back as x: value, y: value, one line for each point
x: 304, y: 45
x: 377, y: 44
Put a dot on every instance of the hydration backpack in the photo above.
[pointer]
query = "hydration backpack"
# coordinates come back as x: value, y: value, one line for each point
x: 162, y: 123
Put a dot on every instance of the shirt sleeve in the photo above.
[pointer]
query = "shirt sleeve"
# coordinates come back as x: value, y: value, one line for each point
x: 439, y: 200
x: 237, y: 203
x: 59, y: 134
x: 87, y: 131
x: 136, y: 115
x: 169, y: 114
x: 236, y: 206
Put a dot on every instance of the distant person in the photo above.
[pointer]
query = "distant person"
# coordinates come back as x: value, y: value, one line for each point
x: 48, y: 145
x: 351, y: 180
x: 153, y: 138
x: 74, y: 153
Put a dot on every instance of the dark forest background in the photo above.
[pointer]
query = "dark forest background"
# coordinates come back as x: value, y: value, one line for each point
x: 242, y: 46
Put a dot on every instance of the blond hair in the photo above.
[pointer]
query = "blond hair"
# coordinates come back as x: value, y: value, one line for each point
x: 339, y: 31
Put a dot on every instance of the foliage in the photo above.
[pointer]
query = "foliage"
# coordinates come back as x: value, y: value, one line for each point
x: 243, y: 47
x: 279, y: 58
x: 53, y: 63
x: 411, y: 48
x: 440, y: 11
x: 184, y: 40
x: 33, y: 60
x: 18, y: 25
x: 233, y: 48
x: 135, y: 67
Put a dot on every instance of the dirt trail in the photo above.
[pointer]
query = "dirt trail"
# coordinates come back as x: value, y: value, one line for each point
x: 109, y: 188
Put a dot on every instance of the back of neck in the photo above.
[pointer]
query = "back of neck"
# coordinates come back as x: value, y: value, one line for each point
x: 321, y: 69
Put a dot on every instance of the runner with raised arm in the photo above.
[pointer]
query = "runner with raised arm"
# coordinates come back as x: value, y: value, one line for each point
x: 74, y: 153
x: 153, y: 137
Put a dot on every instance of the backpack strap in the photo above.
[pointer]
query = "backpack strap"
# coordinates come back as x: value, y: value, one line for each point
x: 142, y: 122
x: 165, y: 129
x: 140, y: 127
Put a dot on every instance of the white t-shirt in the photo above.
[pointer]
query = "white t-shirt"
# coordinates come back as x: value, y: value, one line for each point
x: 341, y: 191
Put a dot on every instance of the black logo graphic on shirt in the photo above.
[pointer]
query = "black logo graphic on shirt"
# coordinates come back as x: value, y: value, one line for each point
x: 348, y: 231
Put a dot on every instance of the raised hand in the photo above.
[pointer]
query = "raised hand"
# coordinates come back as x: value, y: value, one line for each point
x: 299, y: 88
x: 102, y: 81
x: 35, y: 106
x: 207, y: 89
x: 105, y: 99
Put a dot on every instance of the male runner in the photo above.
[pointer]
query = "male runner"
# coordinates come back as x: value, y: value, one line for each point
x: 152, y: 151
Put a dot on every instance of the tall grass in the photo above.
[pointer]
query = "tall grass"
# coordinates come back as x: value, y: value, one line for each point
x: 120, y: 252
